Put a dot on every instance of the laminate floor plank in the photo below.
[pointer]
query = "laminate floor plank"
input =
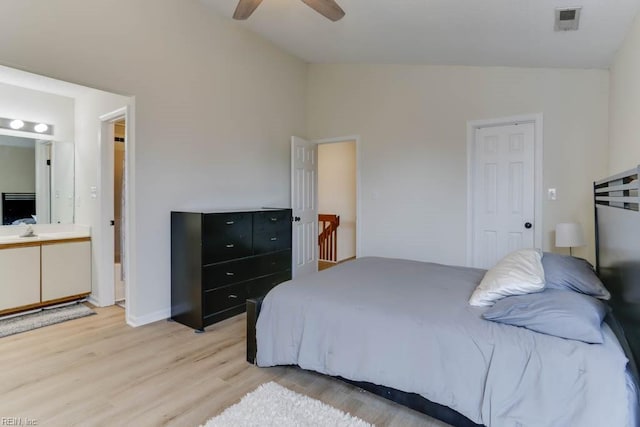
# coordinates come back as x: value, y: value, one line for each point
x: 97, y: 371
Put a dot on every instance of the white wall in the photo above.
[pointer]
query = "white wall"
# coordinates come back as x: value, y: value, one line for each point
x: 337, y: 191
x: 412, y: 123
x: 215, y: 108
x: 36, y: 106
x: 624, y: 106
x: 90, y: 105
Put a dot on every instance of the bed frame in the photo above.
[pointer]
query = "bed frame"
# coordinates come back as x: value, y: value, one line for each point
x: 617, y: 228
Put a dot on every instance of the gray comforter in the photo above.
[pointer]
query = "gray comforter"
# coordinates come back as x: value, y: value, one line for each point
x: 407, y: 325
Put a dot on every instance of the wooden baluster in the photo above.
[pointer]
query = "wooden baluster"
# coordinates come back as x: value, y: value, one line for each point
x: 328, y: 237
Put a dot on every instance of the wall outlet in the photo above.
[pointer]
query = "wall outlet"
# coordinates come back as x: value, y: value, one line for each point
x: 551, y: 194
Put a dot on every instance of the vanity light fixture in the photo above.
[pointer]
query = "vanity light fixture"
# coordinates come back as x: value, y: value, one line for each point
x: 40, y: 128
x: 25, y: 126
x: 16, y: 124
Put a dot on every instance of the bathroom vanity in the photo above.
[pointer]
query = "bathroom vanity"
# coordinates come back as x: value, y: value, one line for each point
x: 48, y: 268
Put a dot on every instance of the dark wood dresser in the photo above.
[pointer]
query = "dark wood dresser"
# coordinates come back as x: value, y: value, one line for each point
x: 219, y: 259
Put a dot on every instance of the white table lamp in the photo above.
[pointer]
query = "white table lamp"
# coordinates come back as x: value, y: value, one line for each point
x: 569, y: 235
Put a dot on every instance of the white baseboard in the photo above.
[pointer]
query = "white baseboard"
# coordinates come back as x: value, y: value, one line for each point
x: 148, y: 318
x: 93, y: 300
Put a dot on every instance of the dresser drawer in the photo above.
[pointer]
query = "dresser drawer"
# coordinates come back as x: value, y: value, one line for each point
x: 260, y: 287
x: 271, y: 221
x: 226, y: 236
x: 224, y: 298
x: 271, y: 241
x: 226, y: 273
x: 272, y: 263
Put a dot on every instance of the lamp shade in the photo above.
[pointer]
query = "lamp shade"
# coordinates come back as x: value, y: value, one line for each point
x: 569, y: 234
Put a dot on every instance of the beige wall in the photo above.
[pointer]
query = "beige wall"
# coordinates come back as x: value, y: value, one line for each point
x: 337, y: 191
x: 412, y: 122
x: 215, y: 107
x: 624, y: 107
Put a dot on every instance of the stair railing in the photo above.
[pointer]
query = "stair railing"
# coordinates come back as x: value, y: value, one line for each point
x: 328, y: 237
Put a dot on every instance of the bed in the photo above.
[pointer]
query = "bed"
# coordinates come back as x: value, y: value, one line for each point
x: 421, y: 344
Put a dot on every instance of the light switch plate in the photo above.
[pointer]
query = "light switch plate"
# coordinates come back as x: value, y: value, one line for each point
x: 551, y: 194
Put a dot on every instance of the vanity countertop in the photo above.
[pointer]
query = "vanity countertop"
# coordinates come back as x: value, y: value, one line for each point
x: 15, y: 240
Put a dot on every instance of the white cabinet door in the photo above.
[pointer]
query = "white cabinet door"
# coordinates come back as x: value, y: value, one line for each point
x: 19, y: 277
x: 66, y: 270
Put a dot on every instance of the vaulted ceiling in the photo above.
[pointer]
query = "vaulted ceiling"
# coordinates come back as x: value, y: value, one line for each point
x: 460, y: 32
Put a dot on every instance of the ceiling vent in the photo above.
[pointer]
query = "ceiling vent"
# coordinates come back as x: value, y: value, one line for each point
x: 567, y: 19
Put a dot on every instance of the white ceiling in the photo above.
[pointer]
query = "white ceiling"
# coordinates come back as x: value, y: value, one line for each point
x: 462, y: 32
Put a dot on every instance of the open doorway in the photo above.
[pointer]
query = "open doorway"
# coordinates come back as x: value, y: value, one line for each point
x: 337, y: 202
x: 119, y: 146
x: 114, y: 173
x: 305, y: 202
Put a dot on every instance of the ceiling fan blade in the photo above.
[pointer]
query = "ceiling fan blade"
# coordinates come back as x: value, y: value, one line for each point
x: 245, y: 8
x: 328, y: 8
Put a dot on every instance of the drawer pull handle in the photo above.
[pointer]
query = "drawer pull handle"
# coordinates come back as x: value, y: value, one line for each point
x: 229, y: 273
x: 273, y: 239
x: 233, y: 296
x: 230, y: 222
x: 231, y: 245
x: 274, y: 219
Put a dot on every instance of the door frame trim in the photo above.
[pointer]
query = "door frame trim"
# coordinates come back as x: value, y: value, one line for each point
x: 350, y: 138
x: 105, y: 245
x: 472, y: 127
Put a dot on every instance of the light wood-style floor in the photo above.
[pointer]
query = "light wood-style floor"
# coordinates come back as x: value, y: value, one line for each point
x: 97, y: 371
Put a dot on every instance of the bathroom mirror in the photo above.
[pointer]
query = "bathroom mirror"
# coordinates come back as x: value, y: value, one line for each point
x: 36, y: 181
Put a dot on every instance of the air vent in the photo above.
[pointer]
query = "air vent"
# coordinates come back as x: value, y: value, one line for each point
x: 567, y: 19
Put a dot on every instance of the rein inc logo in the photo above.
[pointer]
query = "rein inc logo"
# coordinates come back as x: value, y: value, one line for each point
x: 18, y: 421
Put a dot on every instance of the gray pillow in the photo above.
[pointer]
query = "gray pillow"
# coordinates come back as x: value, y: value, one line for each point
x: 575, y: 274
x: 563, y: 314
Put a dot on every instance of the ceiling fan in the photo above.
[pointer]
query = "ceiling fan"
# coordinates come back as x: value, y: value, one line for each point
x: 327, y: 8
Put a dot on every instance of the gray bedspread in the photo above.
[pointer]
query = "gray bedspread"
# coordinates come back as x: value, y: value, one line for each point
x: 407, y: 325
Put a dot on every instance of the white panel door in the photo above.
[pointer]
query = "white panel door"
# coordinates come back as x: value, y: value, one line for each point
x: 503, y: 192
x: 304, y: 203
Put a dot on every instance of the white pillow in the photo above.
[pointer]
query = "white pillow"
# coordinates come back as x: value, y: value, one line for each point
x: 518, y: 273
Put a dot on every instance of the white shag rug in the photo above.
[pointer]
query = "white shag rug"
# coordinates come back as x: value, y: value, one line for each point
x: 273, y: 405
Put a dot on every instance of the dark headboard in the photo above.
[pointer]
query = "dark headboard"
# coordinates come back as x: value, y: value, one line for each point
x: 17, y: 206
x: 617, y: 221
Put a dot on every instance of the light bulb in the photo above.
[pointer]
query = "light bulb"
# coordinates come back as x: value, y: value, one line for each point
x: 40, y: 127
x: 16, y: 124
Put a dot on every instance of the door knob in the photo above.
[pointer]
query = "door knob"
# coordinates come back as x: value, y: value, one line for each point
x: 528, y: 225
